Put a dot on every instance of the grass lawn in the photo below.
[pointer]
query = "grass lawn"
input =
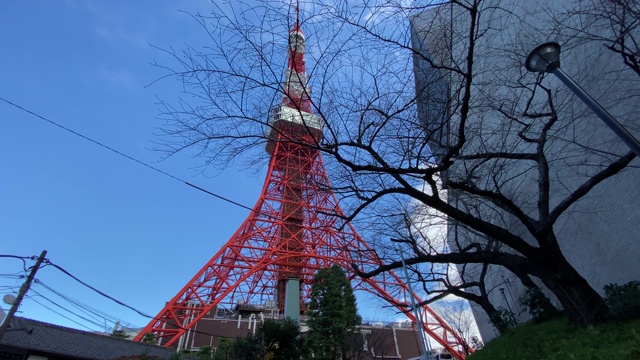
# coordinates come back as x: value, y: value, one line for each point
x: 559, y: 340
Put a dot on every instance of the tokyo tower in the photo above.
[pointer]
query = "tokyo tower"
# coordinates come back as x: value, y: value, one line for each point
x: 291, y: 233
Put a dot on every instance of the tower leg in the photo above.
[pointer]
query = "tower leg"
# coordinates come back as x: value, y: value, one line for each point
x: 292, y: 302
x: 295, y: 229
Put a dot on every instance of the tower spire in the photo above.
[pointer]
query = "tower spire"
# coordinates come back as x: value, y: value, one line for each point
x: 296, y: 89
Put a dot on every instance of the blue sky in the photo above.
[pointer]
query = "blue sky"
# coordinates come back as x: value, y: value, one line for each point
x: 135, y: 234
x: 125, y: 229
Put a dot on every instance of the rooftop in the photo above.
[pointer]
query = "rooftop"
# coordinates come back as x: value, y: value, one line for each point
x: 41, y: 337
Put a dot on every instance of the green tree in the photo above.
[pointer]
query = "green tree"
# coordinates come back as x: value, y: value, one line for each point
x: 275, y: 340
x: 205, y: 352
x: 246, y: 348
x: 224, y: 350
x: 149, y: 338
x: 120, y: 334
x: 333, y: 315
x: 281, y: 338
x: 623, y: 300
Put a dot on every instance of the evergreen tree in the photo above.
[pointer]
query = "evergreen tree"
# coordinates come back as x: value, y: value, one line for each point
x: 274, y: 340
x: 149, y: 338
x: 333, y: 315
x: 224, y: 350
x: 120, y: 334
x: 205, y: 352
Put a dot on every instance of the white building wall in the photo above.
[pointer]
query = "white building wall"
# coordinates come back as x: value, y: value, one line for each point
x: 599, y: 234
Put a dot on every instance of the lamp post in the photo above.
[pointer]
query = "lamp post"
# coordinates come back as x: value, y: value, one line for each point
x: 546, y: 58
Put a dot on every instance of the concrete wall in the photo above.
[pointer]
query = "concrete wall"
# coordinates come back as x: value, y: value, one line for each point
x: 599, y: 234
x: 391, y: 341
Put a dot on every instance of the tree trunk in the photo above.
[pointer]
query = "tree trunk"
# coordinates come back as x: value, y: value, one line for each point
x: 581, y: 303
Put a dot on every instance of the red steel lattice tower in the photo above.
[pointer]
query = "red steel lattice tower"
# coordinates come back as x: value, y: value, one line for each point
x: 290, y: 234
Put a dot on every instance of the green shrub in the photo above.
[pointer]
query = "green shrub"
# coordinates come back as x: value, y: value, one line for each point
x: 120, y: 334
x: 623, y: 301
x: 503, y: 320
x: 539, y: 306
x: 149, y: 338
x: 205, y: 352
x: 558, y: 339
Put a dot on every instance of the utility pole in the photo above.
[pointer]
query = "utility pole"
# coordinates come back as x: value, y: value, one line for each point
x: 23, y: 290
x: 426, y: 353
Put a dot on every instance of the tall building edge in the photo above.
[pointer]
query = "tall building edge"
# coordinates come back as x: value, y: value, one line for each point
x: 598, y: 235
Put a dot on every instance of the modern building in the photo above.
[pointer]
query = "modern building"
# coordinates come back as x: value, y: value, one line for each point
x: 599, y: 234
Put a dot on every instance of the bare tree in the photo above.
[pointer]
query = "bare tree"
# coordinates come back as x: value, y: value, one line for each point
x: 457, y: 313
x: 612, y: 23
x: 500, y: 158
x: 379, y: 344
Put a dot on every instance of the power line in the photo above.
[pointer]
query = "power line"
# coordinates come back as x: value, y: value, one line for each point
x: 23, y: 258
x: 18, y: 275
x: 13, y: 276
x: 117, y: 301
x: 16, y: 256
x: 96, y: 290
x: 139, y: 162
x: 8, y: 287
x: 65, y: 309
x: 135, y: 160
x: 90, y: 311
x: 48, y: 262
x: 56, y: 312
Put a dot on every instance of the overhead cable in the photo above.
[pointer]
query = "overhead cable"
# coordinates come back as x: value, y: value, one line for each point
x: 96, y: 290
x: 90, y: 311
x: 63, y: 270
x: 65, y: 309
x: 139, y: 162
x: 56, y: 312
x: 129, y: 157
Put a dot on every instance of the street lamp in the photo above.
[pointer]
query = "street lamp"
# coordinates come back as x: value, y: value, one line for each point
x: 546, y: 58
